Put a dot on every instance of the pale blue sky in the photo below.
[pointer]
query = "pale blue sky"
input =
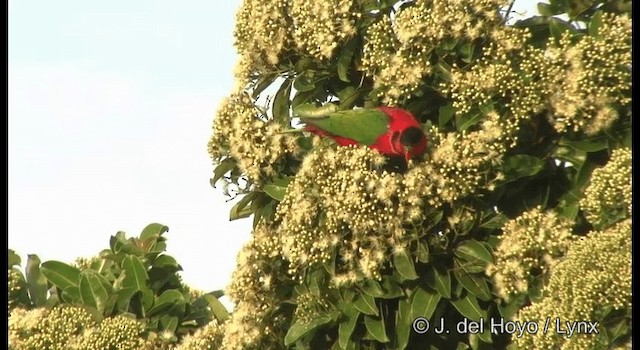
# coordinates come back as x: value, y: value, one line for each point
x: 110, y: 110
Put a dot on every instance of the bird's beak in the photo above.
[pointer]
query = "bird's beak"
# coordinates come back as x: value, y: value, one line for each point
x: 407, y: 153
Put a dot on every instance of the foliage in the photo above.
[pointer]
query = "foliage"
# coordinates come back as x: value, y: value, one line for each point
x: 129, y: 295
x: 347, y: 252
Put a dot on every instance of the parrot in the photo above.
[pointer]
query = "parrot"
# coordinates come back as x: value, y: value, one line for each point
x: 391, y: 131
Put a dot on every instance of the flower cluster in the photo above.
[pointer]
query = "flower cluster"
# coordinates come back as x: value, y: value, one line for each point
x: 511, y: 70
x: 118, y: 332
x: 267, y: 32
x: 15, y: 286
x: 397, y: 48
x: 261, y: 36
x: 579, y: 80
x: 460, y: 164
x: 255, y: 322
x: 242, y: 132
x: 208, y: 337
x: 596, y: 77
x: 43, y: 329
x: 340, y: 200
x: 73, y: 327
x: 591, y: 281
x: 608, y: 196
x: 319, y: 27
x: 534, y: 241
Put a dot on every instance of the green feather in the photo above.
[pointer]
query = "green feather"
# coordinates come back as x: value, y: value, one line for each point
x: 362, y: 125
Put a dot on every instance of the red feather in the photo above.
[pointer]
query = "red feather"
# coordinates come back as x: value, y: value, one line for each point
x: 399, y: 120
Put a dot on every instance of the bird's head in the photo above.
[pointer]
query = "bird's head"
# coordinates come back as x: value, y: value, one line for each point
x: 410, y: 142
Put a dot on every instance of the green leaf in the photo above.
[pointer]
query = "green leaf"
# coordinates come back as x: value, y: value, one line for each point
x: 390, y: 288
x: 467, y: 120
x: 404, y: 265
x: 403, y: 321
x: 423, y: 252
x: 135, y: 274
x: 221, y: 169
x: 14, y: 259
x: 366, y: 304
x: 346, y: 327
x: 167, y: 262
x: 494, y: 221
x: 472, y: 250
x: 590, y: 144
x: 440, y: 280
x: 348, y: 97
x: 153, y: 231
x: 521, y: 165
x: 548, y: 9
x: 280, y: 108
x: 93, y: 290
x: 423, y: 303
x: 36, y: 282
x: 344, y: 60
x: 165, y: 301
x: 240, y: 209
x: 372, y: 288
x: 305, y: 81
x: 466, y: 51
x: 508, y: 310
x: 120, y: 244
x: 277, y: 189
x: 475, y: 284
x: 63, y: 276
x: 375, y: 327
x: 445, y: 114
x: 468, y: 307
x: 448, y: 43
x: 567, y: 154
x: 298, y: 329
x: 263, y: 82
x: 169, y: 323
x: 557, y: 27
x: 219, y: 311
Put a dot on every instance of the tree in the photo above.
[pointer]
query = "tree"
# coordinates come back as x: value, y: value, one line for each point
x: 518, y: 213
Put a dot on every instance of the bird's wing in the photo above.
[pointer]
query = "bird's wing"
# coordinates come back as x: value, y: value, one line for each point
x: 362, y: 125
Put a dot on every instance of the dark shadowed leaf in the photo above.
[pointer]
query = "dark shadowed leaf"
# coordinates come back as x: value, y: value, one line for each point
x: 375, y: 327
x: 14, y: 259
x: 281, y: 102
x: 424, y: 302
x: 404, y: 265
x: 346, y: 327
x: 475, y: 284
x: 366, y: 304
x: 521, y: 165
x: 468, y: 307
x: 299, y: 329
x: 221, y: 169
x: 440, y: 280
x: 36, y: 281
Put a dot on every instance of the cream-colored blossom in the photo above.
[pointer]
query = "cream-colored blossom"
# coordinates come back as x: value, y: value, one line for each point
x: 608, y: 195
x: 592, y: 280
x: 533, y: 241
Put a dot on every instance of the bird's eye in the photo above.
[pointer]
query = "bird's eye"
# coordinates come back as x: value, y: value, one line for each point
x: 411, y: 136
